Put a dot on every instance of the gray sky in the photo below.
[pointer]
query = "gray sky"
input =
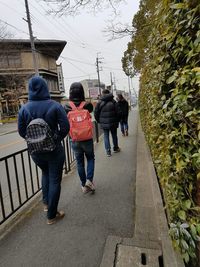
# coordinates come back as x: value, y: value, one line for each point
x: 84, y: 37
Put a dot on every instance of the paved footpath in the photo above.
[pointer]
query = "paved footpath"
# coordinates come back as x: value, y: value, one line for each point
x: 80, y: 238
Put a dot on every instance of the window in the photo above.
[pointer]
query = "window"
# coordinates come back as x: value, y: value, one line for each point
x: 11, y: 60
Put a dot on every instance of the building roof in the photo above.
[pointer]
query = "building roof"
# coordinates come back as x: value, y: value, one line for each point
x: 51, y: 47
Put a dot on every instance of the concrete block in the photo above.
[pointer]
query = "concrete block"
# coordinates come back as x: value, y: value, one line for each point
x: 110, y: 251
x: 128, y: 256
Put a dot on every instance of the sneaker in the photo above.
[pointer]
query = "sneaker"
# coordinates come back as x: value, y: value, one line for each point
x: 85, y: 189
x: 109, y: 153
x: 117, y: 150
x: 45, y: 207
x: 90, y: 185
x: 60, y: 215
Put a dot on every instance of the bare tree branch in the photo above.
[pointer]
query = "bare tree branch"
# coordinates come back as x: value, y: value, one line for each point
x: 74, y: 7
x: 4, y: 32
x: 118, y: 30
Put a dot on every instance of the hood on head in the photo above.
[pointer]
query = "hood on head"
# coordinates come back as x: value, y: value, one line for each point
x: 76, y: 92
x: 107, y: 97
x: 38, y: 89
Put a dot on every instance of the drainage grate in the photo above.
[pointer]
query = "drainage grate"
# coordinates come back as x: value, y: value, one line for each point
x: 129, y: 256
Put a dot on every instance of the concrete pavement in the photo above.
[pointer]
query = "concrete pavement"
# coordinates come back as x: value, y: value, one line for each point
x: 122, y: 225
x: 150, y: 244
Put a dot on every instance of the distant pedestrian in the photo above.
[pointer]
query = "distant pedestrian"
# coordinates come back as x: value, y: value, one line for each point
x: 82, y: 148
x: 123, y: 104
x: 108, y: 114
x: 51, y: 163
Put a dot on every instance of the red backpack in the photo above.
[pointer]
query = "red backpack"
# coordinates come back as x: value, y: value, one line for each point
x: 81, y: 127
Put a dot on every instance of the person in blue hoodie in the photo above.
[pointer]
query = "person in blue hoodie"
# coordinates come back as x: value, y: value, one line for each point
x: 40, y: 105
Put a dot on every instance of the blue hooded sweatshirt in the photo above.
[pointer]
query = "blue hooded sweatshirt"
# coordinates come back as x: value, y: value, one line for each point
x: 41, y: 106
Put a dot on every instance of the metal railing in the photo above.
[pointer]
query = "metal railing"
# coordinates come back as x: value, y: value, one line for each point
x: 20, y: 177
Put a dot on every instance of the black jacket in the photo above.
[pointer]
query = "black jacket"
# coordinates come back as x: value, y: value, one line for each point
x: 123, y: 105
x: 107, y: 112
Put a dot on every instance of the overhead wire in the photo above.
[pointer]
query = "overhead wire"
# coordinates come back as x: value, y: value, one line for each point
x: 11, y: 8
x: 63, y: 26
x: 8, y: 24
x: 35, y: 19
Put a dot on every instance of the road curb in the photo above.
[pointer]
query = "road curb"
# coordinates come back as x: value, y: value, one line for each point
x: 13, y: 131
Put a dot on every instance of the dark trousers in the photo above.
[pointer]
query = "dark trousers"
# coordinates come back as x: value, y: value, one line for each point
x: 51, y: 165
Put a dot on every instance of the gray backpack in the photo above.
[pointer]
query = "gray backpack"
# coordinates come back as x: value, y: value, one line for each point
x: 39, y: 137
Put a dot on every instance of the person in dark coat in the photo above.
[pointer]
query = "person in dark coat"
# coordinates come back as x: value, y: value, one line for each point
x: 123, y: 105
x: 40, y: 105
x: 108, y: 114
x: 82, y: 148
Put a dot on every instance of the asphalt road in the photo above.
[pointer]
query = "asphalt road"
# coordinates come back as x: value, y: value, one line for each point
x: 78, y: 240
x: 11, y: 142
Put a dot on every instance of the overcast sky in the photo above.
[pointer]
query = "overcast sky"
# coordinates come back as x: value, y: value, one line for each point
x: 84, y: 36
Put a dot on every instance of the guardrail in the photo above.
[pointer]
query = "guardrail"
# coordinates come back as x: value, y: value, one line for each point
x: 20, y: 177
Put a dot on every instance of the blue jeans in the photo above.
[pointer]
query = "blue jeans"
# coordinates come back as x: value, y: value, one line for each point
x: 107, y: 139
x: 51, y: 165
x: 123, y: 126
x: 84, y: 149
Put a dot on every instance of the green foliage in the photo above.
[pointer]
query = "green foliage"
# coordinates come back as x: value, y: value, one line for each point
x: 169, y: 104
x: 137, y: 49
x: 183, y: 237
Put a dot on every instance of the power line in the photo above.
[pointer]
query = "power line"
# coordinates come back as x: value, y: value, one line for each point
x: 35, y: 63
x: 89, y: 74
x: 62, y: 26
x: 11, y: 8
x: 8, y: 24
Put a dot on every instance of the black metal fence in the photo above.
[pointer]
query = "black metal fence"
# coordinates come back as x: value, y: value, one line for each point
x: 20, y: 177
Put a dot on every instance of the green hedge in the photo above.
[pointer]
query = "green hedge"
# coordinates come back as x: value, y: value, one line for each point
x: 169, y: 105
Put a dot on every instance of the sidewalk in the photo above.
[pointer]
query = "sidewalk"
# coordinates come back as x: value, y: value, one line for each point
x: 121, y: 225
x: 150, y: 244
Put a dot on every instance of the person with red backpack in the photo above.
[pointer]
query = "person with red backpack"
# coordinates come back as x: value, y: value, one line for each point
x: 81, y: 135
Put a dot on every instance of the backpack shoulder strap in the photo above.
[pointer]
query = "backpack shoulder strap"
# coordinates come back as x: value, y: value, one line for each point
x: 82, y: 104
x: 72, y: 105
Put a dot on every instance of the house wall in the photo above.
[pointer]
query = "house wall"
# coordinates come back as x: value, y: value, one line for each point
x: 44, y: 62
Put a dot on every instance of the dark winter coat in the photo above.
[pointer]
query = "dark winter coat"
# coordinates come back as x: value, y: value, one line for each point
x: 41, y: 106
x: 107, y: 112
x: 123, y: 105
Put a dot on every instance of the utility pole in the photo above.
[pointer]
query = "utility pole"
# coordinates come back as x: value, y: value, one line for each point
x: 111, y: 82
x: 97, y: 64
x: 31, y: 39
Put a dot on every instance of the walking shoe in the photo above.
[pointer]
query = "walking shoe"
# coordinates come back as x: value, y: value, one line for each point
x: 85, y: 189
x: 117, y: 150
x: 109, y: 153
x: 45, y: 207
x: 90, y: 185
x: 60, y: 215
x: 126, y: 132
